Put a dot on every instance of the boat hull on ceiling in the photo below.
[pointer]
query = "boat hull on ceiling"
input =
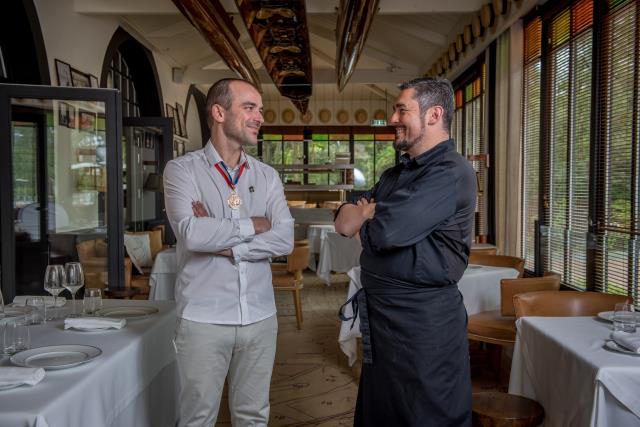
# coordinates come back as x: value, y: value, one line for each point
x: 280, y: 33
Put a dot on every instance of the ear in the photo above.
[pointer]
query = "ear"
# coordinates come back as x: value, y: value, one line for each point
x: 434, y: 115
x: 217, y: 113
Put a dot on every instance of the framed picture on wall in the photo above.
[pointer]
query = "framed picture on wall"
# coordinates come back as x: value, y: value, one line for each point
x: 94, y: 81
x: 181, y: 120
x: 63, y: 114
x: 63, y: 70
x: 80, y: 79
x: 72, y: 117
x: 172, y: 113
x: 87, y: 121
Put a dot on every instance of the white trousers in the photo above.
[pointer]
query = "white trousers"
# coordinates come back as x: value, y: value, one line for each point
x: 206, y: 353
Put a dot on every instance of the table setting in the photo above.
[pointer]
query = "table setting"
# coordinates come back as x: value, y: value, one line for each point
x: 112, y: 355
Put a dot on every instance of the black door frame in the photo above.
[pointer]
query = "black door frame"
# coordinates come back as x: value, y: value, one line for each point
x: 113, y: 120
x: 166, y: 154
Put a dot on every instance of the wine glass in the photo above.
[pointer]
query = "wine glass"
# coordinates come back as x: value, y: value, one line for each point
x: 54, y: 278
x: 75, y: 280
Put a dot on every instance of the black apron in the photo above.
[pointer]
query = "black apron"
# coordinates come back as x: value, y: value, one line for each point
x: 415, y: 370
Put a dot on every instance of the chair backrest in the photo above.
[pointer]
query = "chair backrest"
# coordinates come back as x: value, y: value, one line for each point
x: 498, y: 261
x: 564, y: 303
x: 298, y: 259
x: 511, y: 287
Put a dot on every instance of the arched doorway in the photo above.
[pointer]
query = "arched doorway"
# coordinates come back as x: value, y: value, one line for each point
x: 23, y: 58
x: 196, y: 118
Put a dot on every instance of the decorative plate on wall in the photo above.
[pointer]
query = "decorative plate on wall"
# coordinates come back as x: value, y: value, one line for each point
x: 379, y: 115
x: 342, y: 116
x: 361, y: 115
x: 306, y: 117
x: 288, y: 115
x: 324, y: 115
x: 269, y: 116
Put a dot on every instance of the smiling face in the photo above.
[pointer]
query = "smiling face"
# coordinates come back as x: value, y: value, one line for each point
x: 243, y: 119
x: 409, y: 123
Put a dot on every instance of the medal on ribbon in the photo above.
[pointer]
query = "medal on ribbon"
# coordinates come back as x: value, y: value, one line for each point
x: 234, y: 201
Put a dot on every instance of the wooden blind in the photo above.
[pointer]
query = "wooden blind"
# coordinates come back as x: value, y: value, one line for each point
x: 531, y: 138
x: 617, y: 216
x: 567, y: 141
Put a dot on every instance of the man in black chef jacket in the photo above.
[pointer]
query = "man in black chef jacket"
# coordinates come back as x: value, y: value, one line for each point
x: 415, y: 226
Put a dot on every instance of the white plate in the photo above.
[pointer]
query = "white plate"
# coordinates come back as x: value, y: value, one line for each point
x: 608, y: 316
x: 474, y: 266
x: 127, y: 312
x: 56, y: 356
x: 81, y: 329
x: 612, y: 345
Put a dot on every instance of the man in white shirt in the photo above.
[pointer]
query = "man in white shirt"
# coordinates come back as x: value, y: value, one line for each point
x: 229, y: 214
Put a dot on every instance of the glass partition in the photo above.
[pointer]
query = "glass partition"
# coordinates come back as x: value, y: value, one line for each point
x: 55, y: 203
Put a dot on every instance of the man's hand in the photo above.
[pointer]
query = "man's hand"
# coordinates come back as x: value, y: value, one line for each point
x: 367, y: 208
x: 352, y: 217
x: 260, y: 224
x: 198, y: 209
x: 199, y: 212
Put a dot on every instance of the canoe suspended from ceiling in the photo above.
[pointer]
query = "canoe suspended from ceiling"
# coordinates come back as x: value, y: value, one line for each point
x: 280, y: 33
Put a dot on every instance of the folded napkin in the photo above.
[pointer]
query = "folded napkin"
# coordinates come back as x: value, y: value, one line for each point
x: 627, y: 340
x: 94, y: 323
x: 48, y: 300
x: 14, y: 375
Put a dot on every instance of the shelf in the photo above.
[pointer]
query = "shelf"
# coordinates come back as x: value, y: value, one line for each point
x: 317, y: 168
x: 318, y: 187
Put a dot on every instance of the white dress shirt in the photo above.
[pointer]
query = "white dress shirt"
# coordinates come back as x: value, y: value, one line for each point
x: 218, y: 289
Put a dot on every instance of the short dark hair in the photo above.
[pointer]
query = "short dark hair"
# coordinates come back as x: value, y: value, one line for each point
x: 432, y: 91
x: 220, y: 94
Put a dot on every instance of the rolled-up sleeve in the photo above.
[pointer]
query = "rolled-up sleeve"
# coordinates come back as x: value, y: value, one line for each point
x: 204, y: 234
x: 389, y: 228
x: 278, y: 241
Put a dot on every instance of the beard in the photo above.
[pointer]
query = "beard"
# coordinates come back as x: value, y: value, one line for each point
x: 235, y: 133
x: 405, y: 144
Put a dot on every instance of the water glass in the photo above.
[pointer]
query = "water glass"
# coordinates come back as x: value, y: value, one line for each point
x: 16, y: 337
x: 92, y: 301
x: 39, y: 309
x: 624, y: 318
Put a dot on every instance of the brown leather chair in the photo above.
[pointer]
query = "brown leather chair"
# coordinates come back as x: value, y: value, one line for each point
x: 92, y: 254
x: 498, y: 261
x: 288, y: 277
x: 484, y: 251
x: 498, y: 327
x: 565, y: 303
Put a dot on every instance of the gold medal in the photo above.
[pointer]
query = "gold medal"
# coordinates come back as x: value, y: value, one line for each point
x: 234, y: 201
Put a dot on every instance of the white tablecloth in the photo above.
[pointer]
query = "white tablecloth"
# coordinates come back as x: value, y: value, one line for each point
x: 316, y: 233
x: 133, y: 382
x: 162, y: 279
x: 339, y: 254
x: 561, y: 363
x: 479, y: 286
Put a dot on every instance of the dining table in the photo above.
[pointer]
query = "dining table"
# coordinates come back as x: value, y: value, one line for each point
x: 479, y: 286
x: 163, y: 275
x: 338, y: 254
x: 567, y: 365
x: 131, y: 383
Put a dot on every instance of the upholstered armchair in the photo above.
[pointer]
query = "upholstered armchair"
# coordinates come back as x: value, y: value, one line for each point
x: 140, y: 278
x: 94, y: 259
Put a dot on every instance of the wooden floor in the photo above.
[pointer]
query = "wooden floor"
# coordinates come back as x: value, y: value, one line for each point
x: 312, y: 385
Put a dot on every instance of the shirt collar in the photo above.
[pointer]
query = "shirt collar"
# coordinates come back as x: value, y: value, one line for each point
x: 214, y: 158
x: 429, y: 155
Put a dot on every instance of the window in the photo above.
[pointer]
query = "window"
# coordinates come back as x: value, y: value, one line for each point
x: 531, y: 139
x: 373, y: 154
x: 617, y: 217
x: 120, y: 78
x: 468, y: 129
x: 567, y: 141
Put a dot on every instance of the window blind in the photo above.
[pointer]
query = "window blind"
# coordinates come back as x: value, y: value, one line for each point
x: 617, y: 215
x: 568, y: 114
x: 531, y: 138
